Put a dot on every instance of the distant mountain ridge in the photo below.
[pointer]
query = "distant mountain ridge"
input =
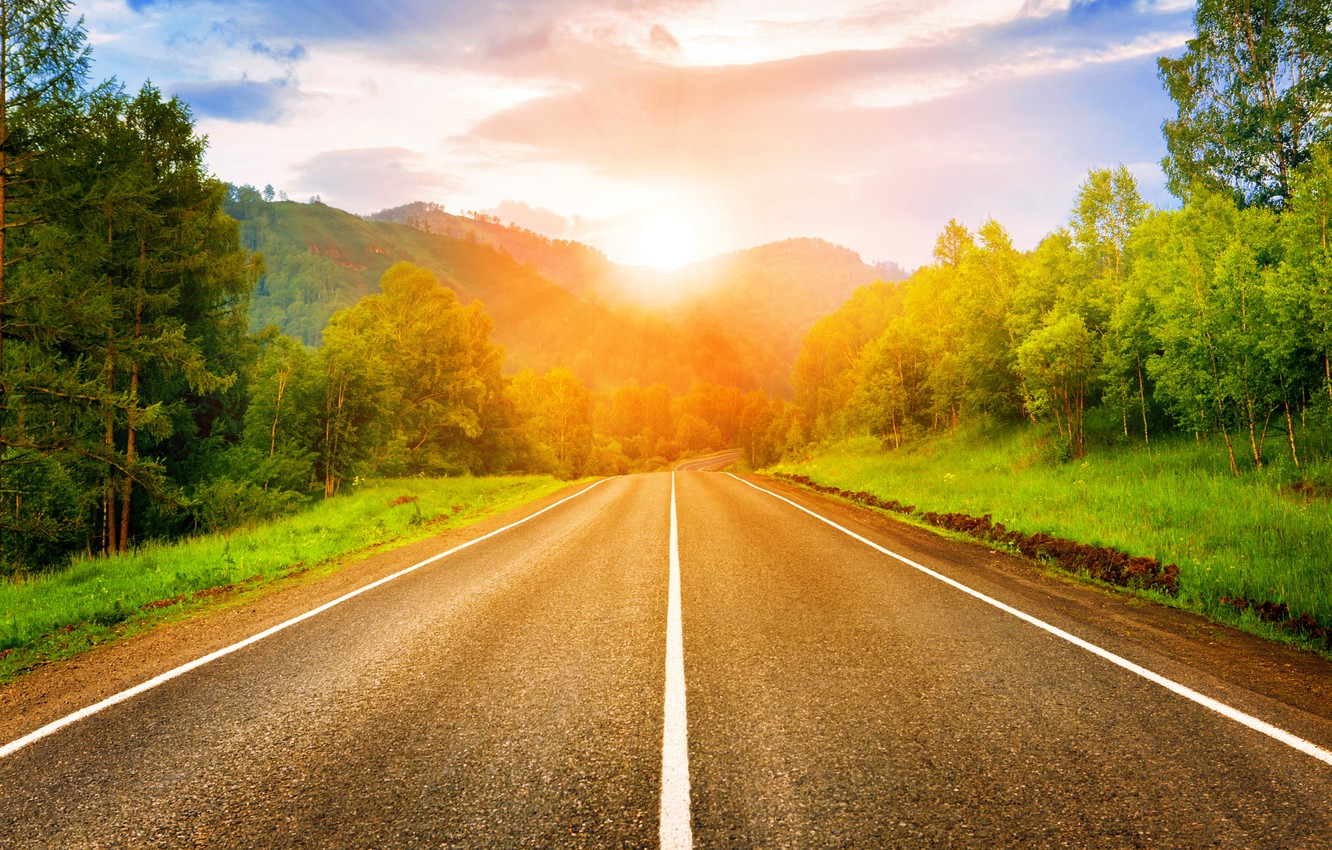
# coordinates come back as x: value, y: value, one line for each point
x: 737, y: 319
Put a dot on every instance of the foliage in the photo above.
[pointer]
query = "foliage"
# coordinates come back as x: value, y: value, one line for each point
x: 1254, y: 92
x: 1214, y: 316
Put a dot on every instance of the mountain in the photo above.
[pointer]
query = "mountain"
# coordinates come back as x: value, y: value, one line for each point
x: 579, y: 268
x: 777, y: 290
x: 736, y: 320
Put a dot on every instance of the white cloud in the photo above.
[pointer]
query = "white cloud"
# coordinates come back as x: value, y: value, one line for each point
x: 864, y: 122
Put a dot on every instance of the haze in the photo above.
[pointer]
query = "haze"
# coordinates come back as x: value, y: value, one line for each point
x: 866, y: 124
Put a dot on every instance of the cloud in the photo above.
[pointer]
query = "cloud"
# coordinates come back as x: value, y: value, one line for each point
x: 365, y: 179
x: 237, y: 100
x: 425, y: 28
x: 661, y: 40
x: 869, y: 123
x: 539, y: 219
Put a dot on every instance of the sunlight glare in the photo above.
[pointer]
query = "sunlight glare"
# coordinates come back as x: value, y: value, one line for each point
x: 667, y: 242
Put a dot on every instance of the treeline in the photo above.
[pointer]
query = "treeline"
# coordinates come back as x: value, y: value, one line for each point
x: 122, y: 301
x: 408, y: 382
x: 1211, y: 319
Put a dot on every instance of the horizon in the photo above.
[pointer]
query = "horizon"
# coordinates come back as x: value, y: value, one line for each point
x: 743, y: 124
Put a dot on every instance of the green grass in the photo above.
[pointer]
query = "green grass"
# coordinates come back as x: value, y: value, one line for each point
x: 1175, y: 501
x: 61, y: 613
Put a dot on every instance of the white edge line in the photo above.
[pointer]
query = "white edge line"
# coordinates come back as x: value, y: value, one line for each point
x: 675, y: 830
x: 83, y: 713
x: 1290, y: 740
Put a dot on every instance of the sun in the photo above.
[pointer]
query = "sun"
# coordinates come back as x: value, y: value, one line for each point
x: 667, y: 242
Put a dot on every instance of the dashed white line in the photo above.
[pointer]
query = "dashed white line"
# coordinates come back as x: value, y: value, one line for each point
x: 675, y: 831
x: 1274, y: 732
x: 83, y: 713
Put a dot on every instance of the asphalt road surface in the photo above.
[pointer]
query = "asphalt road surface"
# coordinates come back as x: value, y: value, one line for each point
x: 516, y: 693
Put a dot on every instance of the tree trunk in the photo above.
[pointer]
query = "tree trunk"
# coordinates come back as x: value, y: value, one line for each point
x: 282, y: 377
x: 132, y: 414
x: 1230, y: 448
x: 4, y: 224
x: 127, y: 490
x: 110, y: 544
x: 1142, y: 397
x: 1123, y: 404
x: 1253, y: 434
x: 331, y: 438
x: 1290, y: 434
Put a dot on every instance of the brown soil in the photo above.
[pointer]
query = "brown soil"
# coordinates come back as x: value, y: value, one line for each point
x: 1100, y: 562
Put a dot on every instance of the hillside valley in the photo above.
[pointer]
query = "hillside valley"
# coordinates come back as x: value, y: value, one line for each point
x: 735, y: 320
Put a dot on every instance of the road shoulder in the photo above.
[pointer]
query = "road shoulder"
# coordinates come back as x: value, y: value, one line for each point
x: 54, y: 690
x: 1238, y: 661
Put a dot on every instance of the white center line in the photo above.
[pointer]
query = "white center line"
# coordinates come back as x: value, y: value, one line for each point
x: 676, y: 831
x: 55, y: 726
x: 1221, y: 708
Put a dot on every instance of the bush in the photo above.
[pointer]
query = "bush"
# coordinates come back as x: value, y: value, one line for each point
x: 222, y: 504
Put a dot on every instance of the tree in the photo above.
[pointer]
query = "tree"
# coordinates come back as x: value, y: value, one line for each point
x: 555, y: 410
x: 1056, y: 362
x: 1309, y: 253
x: 43, y: 65
x: 984, y: 291
x: 1254, y: 93
x: 281, y: 427
x: 879, y: 402
x: 1195, y: 316
x: 1107, y: 211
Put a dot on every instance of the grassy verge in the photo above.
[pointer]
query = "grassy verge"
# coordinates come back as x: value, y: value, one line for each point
x: 59, y: 614
x: 1255, y: 537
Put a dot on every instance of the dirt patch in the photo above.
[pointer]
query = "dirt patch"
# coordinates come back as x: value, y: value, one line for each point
x: 402, y: 500
x: 1308, y: 491
x: 1279, y: 613
x: 1100, y: 562
x: 162, y: 603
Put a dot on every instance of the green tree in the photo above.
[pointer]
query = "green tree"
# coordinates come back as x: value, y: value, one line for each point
x: 986, y: 281
x: 1056, y: 362
x: 281, y: 421
x: 1254, y: 93
x: 1214, y: 309
x: 1308, y: 266
x: 44, y: 62
x: 1107, y: 211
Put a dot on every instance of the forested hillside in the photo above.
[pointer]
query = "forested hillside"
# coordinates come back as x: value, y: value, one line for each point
x: 735, y: 320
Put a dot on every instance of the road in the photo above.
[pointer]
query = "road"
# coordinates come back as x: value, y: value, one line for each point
x: 515, y: 694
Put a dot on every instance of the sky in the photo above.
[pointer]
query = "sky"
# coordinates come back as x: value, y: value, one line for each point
x: 713, y: 125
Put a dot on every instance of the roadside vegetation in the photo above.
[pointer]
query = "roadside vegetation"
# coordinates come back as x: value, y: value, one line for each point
x: 60, y: 613
x: 1238, y: 542
x: 1154, y: 380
